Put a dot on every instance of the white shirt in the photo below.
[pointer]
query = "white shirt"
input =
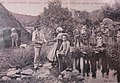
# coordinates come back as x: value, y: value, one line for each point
x: 38, y: 38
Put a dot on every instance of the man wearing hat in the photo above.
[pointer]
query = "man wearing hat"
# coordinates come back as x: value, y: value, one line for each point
x: 76, y: 34
x: 14, y: 37
x: 38, y: 40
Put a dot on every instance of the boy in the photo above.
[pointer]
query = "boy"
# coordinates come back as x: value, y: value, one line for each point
x: 63, y: 55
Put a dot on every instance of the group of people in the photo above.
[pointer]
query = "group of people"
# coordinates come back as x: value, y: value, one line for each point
x: 92, y: 44
x: 87, y: 54
x: 61, y: 46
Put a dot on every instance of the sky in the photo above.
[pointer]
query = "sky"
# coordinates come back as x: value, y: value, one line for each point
x: 36, y: 7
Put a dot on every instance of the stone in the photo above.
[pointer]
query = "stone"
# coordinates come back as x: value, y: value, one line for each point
x: 19, y: 79
x: 3, y: 74
x: 43, y: 70
x: 59, y: 82
x: 6, y: 78
x: 75, y: 72
x: 66, y: 74
x: 13, y: 73
x: 44, y: 73
x: 11, y: 69
x: 18, y: 71
x: 24, y: 46
x: 81, y: 78
x: 26, y: 76
x: 27, y: 72
x: 47, y: 65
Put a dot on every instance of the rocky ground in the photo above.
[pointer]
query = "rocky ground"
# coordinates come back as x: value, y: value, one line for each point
x: 45, y: 74
x: 13, y: 69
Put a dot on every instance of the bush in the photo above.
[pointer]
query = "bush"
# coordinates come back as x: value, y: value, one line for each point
x: 113, y: 52
x: 21, y: 58
x: 16, y: 58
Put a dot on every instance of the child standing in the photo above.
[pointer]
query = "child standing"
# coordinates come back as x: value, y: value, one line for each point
x: 63, y: 55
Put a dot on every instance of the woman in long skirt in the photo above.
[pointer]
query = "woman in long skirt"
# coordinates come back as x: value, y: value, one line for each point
x: 52, y: 55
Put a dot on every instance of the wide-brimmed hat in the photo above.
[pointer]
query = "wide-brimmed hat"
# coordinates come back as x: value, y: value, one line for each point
x: 13, y: 29
x: 59, y: 29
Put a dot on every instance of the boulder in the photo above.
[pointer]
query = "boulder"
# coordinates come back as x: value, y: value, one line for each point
x: 13, y: 73
x: 27, y: 72
x: 6, y: 78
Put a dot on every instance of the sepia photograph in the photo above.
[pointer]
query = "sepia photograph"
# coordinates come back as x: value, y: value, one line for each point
x: 59, y: 41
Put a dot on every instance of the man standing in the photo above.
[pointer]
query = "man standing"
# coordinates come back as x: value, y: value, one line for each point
x: 76, y: 34
x: 38, y: 40
x: 14, y: 37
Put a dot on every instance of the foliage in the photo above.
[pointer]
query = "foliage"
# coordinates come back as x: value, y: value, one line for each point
x: 113, y: 52
x: 81, y: 17
x: 112, y: 12
x: 96, y: 16
x: 16, y: 58
x: 54, y: 16
x: 21, y: 59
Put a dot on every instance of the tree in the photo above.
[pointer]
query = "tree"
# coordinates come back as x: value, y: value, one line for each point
x: 55, y: 15
x: 112, y: 12
x: 80, y: 17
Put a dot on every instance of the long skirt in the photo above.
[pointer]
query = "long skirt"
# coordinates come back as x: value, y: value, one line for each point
x: 52, y: 52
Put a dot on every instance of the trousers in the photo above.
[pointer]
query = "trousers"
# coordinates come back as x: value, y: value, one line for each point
x: 14, y: 42
x: 37, y: 51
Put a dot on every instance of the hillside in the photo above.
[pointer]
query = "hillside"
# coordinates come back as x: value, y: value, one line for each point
x: 25, y: 20
x: 7, y: 20
x: 96, y: 15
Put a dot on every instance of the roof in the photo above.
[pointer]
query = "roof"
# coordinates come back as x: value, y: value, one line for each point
x: 7, y: 20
